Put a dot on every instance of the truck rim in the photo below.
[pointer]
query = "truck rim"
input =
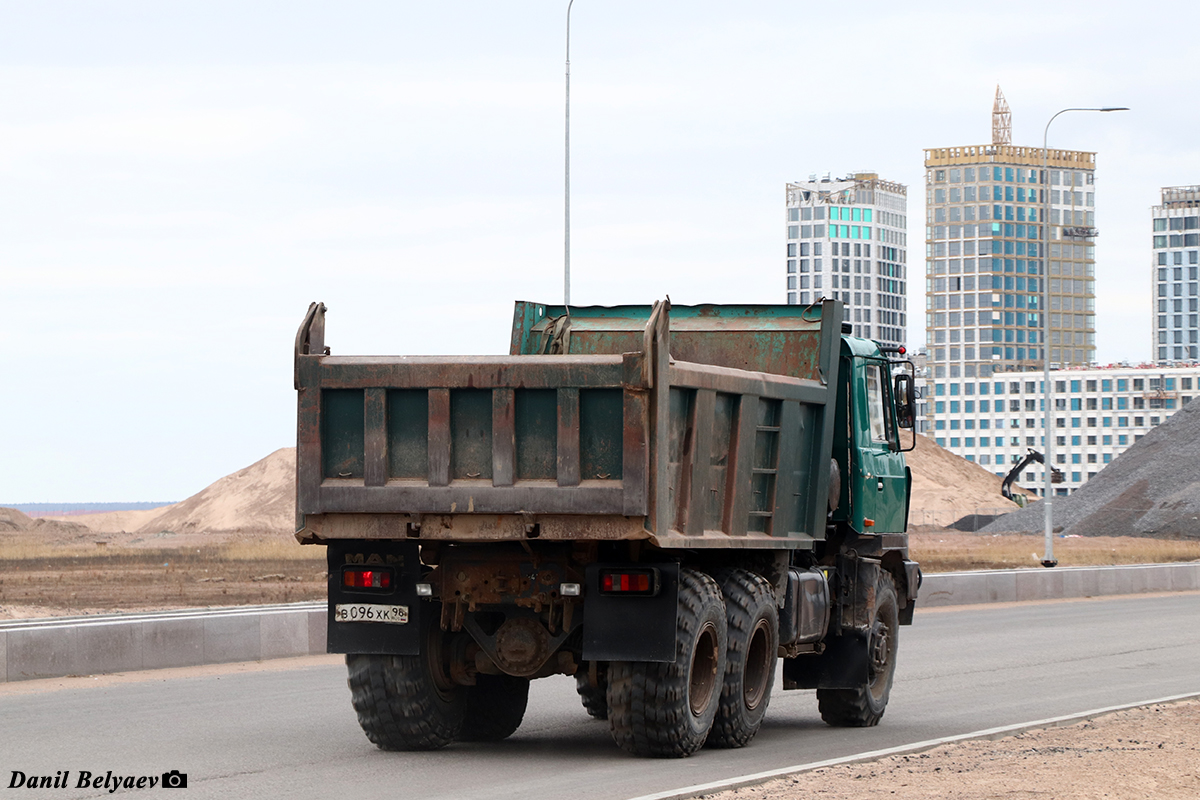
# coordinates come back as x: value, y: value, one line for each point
x: 703, y: 678
x: 758, y: 665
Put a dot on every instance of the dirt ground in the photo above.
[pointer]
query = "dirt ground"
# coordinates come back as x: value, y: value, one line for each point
x: 81, y: 581
x: 1151, y: 752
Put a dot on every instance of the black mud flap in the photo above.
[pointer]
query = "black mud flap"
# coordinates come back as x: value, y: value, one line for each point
x: 356, y: 629
x: 638, y: 628
x: 844, y: 665
x: 912, y: 584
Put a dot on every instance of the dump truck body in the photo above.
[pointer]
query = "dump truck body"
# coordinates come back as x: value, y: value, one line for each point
x: 561, y: 508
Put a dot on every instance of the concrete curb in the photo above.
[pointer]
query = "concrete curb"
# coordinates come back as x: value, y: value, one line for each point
x: 57, y: 646
x: 905, y: 749
x: 1016, y: 585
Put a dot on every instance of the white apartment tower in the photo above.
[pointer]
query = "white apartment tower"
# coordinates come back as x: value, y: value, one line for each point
x: 1173, y: 276
x: 846, y: 240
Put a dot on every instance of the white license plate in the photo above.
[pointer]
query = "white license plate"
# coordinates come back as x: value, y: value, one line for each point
x: 370, y: 612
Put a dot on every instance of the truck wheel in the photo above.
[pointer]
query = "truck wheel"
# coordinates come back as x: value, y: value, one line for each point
x: 863, y: 707
x: 407, y: 702
x: 753, y: 621
x: 666, y: 710
x: 595, y: 698
x: 495, y: 707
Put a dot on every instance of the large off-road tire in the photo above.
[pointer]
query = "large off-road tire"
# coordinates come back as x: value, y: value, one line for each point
x: 595, y: 698
x: 666, y: 710
x: 407, y: 702
x: 753, y: 650
x: 495, y: 708
x: 863, y: 706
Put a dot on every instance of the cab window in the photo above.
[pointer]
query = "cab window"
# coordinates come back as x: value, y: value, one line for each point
x: 875, y: 404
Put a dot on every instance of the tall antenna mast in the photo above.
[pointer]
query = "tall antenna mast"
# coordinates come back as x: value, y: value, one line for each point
x: 1001, y: 119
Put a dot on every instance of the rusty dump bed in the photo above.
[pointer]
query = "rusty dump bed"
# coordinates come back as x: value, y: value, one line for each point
x: 690, y: 426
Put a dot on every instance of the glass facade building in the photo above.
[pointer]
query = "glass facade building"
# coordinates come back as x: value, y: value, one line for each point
x: 1174, y: 275
x: 990, y: 252
x: 847, y: 240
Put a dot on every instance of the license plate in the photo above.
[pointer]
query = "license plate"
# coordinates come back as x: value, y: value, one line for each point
x: 370, y: 612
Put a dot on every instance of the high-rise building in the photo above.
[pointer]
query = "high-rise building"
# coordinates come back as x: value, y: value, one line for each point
x: 1176, y: 255
x: 846, y: 239
x: 987, y: 256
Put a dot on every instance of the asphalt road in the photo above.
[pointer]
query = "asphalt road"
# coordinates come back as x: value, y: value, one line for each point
x: 292, y: 733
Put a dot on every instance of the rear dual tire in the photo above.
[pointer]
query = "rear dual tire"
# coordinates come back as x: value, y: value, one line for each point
x: 666, y: 709
x: 753, y: 644
x: 410, y: 702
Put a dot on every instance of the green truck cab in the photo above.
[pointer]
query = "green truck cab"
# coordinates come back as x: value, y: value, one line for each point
x: 663, y: 502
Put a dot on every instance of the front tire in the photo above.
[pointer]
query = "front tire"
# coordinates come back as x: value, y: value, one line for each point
x: 863, y: 706
x: 666, y: 710
x: 753, y: 622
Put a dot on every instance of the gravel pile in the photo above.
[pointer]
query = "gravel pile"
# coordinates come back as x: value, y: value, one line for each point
x: 1152, y: 489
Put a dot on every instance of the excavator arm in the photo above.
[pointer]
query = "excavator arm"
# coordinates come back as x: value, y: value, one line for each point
x: 1056, y: 475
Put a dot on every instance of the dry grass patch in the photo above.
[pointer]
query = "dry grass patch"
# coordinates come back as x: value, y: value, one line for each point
x: 954, y: 551
x: 90, y: 579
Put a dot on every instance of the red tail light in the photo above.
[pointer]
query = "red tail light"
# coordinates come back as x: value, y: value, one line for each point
x: 629, y: 581
x: 361, y: 578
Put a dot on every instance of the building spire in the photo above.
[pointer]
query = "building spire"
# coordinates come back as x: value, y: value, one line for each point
x: 1001, y: 120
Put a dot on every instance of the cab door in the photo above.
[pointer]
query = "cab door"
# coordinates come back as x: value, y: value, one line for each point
x: 880, y: 475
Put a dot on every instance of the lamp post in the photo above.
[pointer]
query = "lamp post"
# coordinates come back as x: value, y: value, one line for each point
x: 567, y: 176
x: 1048, y: 559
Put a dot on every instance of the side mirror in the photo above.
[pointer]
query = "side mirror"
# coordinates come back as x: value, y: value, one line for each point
x: 906, y: 409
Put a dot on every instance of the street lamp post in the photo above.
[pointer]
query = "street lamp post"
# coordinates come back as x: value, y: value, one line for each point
x: 567, y: 176
x: 1048, y: 559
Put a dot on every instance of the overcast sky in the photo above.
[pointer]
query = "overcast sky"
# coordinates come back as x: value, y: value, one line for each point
x: 179, y: 180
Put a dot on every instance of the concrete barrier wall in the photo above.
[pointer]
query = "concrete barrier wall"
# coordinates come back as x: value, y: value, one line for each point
x: 54, y: 647
x: 1009, y: 586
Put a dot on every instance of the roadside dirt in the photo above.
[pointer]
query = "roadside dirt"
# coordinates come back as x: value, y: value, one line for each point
x: 1151, y: 752
x: 148, y: 580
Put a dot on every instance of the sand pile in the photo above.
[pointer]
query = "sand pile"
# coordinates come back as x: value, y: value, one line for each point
x: 946, y: 488
x: 51, y: 531
x: 1152, y: 489
x: 259, y: 499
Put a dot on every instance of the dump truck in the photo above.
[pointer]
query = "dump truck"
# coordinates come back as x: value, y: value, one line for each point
x: 664, y: 502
